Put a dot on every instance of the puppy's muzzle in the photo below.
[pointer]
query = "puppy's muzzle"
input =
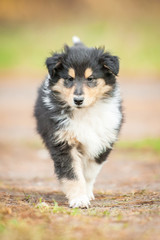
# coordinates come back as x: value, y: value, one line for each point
x: 78, y: 100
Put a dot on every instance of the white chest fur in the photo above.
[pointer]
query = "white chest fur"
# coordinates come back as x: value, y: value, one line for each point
x: 95, y: 127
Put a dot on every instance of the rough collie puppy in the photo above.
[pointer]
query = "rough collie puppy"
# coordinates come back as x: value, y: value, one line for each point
x: 78, y: 113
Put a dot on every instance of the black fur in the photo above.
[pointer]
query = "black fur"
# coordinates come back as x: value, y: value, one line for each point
x: 103, y: 156
x: 52, y: 117
x: 46, y: 127
x: 81, y: 58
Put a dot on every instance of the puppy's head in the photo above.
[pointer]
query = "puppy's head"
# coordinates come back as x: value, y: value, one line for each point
x: 81, y: 76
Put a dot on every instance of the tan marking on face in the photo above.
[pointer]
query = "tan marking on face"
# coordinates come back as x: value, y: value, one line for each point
x: 95, y: 93
x: 88, y: 72
x: 71, y: 72
x: 91, y: 95
x: 66, y: 94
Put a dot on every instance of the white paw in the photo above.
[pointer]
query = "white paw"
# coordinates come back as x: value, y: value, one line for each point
x: 79, y: 202
x: 91, y: 196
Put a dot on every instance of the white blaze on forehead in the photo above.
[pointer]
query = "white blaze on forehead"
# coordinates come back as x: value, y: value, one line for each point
x: 88, y: 72
x: 71, y: 72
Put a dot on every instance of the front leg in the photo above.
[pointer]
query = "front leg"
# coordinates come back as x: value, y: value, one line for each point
x: 68, y: 167
x: 91, y: 170
x: 75, y: 189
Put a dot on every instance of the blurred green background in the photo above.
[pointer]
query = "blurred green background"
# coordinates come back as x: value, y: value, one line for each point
x: 31, y: 30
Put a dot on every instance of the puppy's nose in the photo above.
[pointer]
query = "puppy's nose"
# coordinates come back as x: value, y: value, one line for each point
x: 78, y: 100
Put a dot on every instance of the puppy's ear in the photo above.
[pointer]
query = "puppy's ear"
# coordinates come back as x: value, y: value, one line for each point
x: 111, y: 63
x: 53, y: 63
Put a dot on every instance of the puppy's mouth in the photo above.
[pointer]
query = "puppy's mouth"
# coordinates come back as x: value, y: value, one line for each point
x: 78, y: 106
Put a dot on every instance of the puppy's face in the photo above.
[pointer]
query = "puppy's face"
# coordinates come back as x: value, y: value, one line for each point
x: 82, y: 76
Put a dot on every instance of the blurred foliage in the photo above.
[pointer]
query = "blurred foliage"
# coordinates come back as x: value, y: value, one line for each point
x: 31, y: 30
x: 60, y: 11
x: 26, y: 47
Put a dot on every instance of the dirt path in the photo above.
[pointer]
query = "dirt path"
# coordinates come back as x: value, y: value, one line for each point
x: 127, y: 204
x: 112, y: 216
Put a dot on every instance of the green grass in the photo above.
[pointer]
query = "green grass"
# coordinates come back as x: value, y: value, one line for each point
x: 26, y: 47
x: 145, y: 144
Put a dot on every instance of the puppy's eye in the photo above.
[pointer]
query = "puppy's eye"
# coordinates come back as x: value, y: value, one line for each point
x: 90, y: 79
x: 68, y: 81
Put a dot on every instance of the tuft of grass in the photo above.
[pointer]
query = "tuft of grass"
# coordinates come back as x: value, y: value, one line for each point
x: 97, y: 212
x: 42, y: 205
x: 27, y: 197
x: 58, y: 209
x: 75, y: 212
